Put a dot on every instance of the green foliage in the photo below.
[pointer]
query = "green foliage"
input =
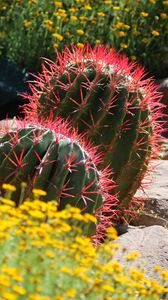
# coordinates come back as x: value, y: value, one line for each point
x: 31, y: 29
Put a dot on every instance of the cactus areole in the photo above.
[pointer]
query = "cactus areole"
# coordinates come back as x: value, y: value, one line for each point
x: 54, y: 160
x: 106, y: 98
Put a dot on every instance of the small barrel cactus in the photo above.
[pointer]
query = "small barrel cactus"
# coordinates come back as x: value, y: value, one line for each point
x: 106, y: 98
x: 53, y: 158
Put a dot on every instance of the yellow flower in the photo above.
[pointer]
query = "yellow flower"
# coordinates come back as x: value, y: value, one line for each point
x: 49, y: 254
x: 108, y: 2
x: 80, y: 31
x: 152, y: 1
x: 67, y: 33
x: 132, y: 256
x: 55, y: 45
x: 58, y: 3
x: 73, y: 18
x: 4, y: 280
x: 126, y: 26
x: 157, y: 268
x: 19, y: 290
x: 164, y: 275
x: 144, y: 14
x: 124, y: 46
x: 100, y: 14
x: 165, y: 3
x: 87, y: 7
x: 72, y: 9
x: 97, y: 42
x: 120, y: 33
x: 116, y: 7
x: 112, y: 233
x: 48, y: 22
x: 108, y: 288
x: 8, y: 202
x: 37, y: 214
x: 119, y: 25
x: 136, y: 275
x: 9, y: 296
x: 163, y: 16
x: 39, y: 192
x: 80, y: 45
x: 155, y: 33
x: 71, y: 293
x: 66, y: 270
x: 133, y: 57
x: 32, y: 1
x: 8, y: 187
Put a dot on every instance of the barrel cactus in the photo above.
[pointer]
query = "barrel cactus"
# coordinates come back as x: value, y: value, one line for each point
x: 53, y: 158
x: 106, y: 98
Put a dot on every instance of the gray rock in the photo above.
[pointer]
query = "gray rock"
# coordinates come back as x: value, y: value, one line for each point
x: 156, y: 195
x: 152, y: 244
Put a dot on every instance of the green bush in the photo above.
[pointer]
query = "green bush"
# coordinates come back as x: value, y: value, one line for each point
x: 31, y: 29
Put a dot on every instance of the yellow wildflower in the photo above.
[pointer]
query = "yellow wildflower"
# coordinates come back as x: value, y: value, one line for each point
x: 132, y: 256
x: 112, y: 233
x: 87, y: 7
x: 80, y: 31
x: 48, y: 22
x: 19, y: 290
x: 8, y: 187
x: 108, y: 288
x: 120, y: 33
x: 80, y: 45
x: 165, y: 3
x: 155, y: 33
x: 152, y: 1
x: 133, y: 57
x: 97, y: 42
x: 108, y: 2
x: 70, y: 293
x: 124, y: 46
x: 58, y: 3
x: 116, y: 7
x: 73, y: 18
x: 118, y: 25
x: 49, y: 254
x: 72, y: 9
x: 144, y: 14
x: 9, y: 296
x: 39, y: 192
x: 163, y: 15
x: 100, y: 14
x: 164, y: 275
x: 32, y: 1
x: 126, y: 26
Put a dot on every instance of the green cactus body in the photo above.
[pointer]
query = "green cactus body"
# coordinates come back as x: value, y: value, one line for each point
x: 55, y: 161
x: 107, y: 99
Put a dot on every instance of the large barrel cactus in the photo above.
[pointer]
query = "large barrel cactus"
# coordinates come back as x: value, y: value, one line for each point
x: 106, y: 98
x: 54, y: 159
